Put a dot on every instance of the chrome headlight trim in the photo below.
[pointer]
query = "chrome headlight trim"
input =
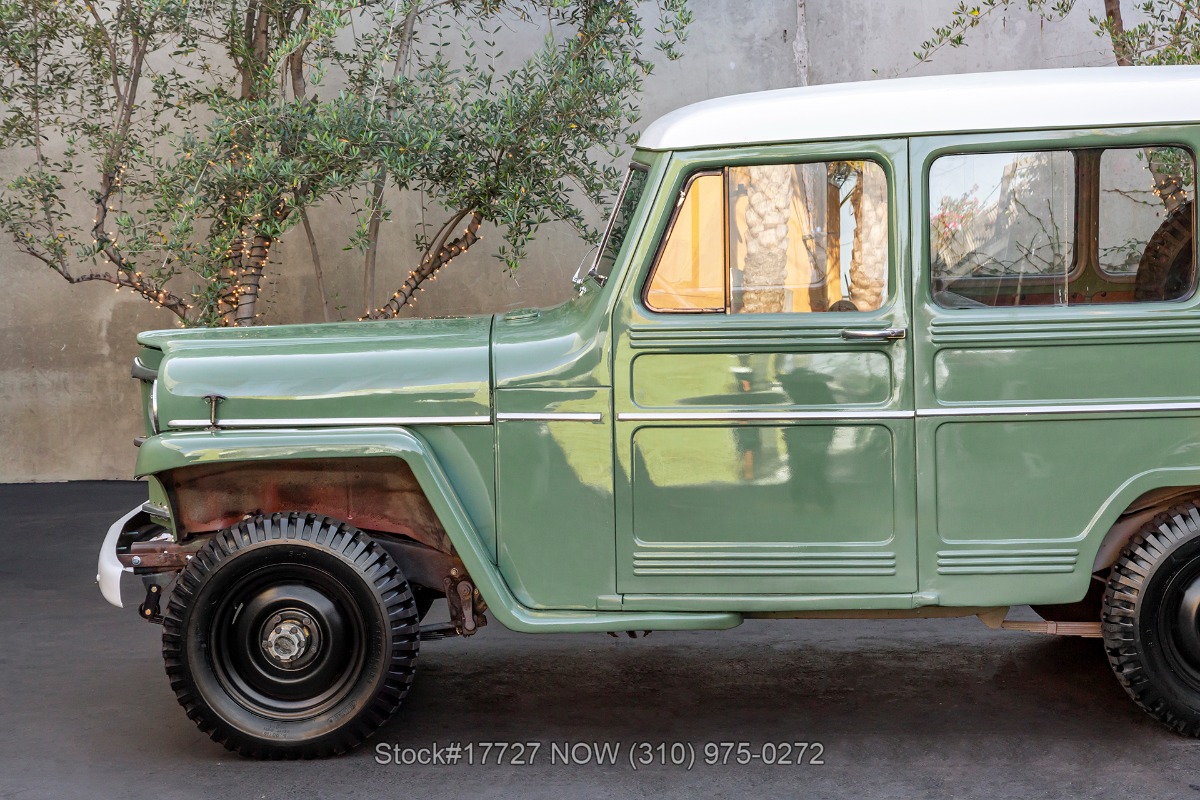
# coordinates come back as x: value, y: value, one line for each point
x: 154, y: 426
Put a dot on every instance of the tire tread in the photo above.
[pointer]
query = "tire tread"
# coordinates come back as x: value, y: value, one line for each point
x: 1119, y: 625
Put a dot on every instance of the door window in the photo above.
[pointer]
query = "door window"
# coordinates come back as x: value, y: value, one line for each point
x: 776, y: 238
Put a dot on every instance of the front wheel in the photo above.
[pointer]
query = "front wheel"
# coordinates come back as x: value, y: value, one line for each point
x: 290, y: 636
x: 1151, y: 620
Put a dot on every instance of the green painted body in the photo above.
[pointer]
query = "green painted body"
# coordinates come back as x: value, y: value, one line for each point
x: 848, y: 500
x: 335, y: 372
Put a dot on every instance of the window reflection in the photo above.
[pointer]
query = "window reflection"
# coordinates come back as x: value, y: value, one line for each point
x: 1061, y: 227
x: 777, y: 238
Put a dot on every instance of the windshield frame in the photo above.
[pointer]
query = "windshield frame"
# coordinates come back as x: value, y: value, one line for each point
x: 594, y: 271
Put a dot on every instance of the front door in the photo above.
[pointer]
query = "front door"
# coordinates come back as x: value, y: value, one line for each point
x: 764, y: 408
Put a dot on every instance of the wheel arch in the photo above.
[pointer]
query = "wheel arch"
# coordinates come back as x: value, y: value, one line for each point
x: 1132, y: 506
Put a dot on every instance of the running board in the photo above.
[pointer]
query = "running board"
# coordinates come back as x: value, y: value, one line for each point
x: 1088, y: 630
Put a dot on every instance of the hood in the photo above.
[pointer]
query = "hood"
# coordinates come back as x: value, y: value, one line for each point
x: 386, y: 372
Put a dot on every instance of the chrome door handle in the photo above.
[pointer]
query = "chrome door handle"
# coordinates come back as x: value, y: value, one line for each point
x: 875, y: 335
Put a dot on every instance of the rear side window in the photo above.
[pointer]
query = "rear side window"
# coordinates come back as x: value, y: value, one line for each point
x: 1062, y: 228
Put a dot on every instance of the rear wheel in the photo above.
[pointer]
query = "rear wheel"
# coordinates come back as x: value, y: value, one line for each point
x: 290, y: 636
x: 1151, y: 620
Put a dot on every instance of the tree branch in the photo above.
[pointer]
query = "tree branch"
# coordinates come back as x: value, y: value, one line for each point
x: 379, y: 184
x: 439, y: 255
x: 316, y: 258
x: 173, y: 303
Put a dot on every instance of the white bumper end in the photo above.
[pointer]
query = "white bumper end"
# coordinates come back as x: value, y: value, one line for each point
x: 109, y: 570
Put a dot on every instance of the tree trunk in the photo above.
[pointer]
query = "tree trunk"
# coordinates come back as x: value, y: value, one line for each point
x: 249, y: 280
x: 403, y: 47
x: 326, y: 311
x: 856, y: 248
x: 249, y: 261
x: 831, y: 287
x: 868, y: 256
x: 764, y: 271
x: 1112, y: 12
x: 373, y: 229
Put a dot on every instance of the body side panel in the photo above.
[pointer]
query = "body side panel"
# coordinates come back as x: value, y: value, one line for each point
x: 555, y: 492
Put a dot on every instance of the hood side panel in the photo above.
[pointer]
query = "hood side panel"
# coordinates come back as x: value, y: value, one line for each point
x: 408, y: 369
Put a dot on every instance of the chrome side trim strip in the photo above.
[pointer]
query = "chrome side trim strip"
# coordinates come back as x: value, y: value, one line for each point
x: 1091, y: 408
x: 664, y: 416
x: 340, y: 422
x: 551, y: 416
x: 853, y: 414
x: 694, y: 416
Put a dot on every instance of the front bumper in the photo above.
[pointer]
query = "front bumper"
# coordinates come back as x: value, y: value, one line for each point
x: 138, y: 544
x: 110, y: 569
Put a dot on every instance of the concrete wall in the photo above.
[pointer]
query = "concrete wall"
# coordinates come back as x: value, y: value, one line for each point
x: 70, y: 410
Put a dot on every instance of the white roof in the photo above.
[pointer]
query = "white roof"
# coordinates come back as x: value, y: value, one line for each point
x: 1028, y: 100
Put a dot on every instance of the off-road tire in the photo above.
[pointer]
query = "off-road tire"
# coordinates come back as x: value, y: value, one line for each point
x: 342, y: 582
x: 1150, y: 618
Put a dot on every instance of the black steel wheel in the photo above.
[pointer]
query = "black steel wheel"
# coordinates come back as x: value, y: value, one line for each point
x: 1151, y: 619
x: 290, y: 636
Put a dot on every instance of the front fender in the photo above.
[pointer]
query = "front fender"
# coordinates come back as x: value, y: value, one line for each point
x: 174, y: 450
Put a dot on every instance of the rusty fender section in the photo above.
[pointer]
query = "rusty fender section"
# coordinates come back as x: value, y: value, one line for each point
x: 376, y: 494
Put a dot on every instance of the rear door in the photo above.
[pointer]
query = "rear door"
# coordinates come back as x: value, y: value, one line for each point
x: 1056, y: 325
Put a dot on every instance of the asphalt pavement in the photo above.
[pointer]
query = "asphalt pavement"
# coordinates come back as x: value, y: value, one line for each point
x: 892, y: 709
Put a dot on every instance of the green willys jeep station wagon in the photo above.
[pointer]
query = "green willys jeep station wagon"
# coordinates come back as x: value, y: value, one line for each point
x: 910, y: 348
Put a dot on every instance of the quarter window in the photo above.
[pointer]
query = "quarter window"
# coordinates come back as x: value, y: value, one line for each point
x: 777, y: 238
x: 1145, y: 220
x: 1001, y: 228
x: 690, y: 274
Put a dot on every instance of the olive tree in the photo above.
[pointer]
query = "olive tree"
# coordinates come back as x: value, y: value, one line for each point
x: 171, y: 143
x: 1167, y: 31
